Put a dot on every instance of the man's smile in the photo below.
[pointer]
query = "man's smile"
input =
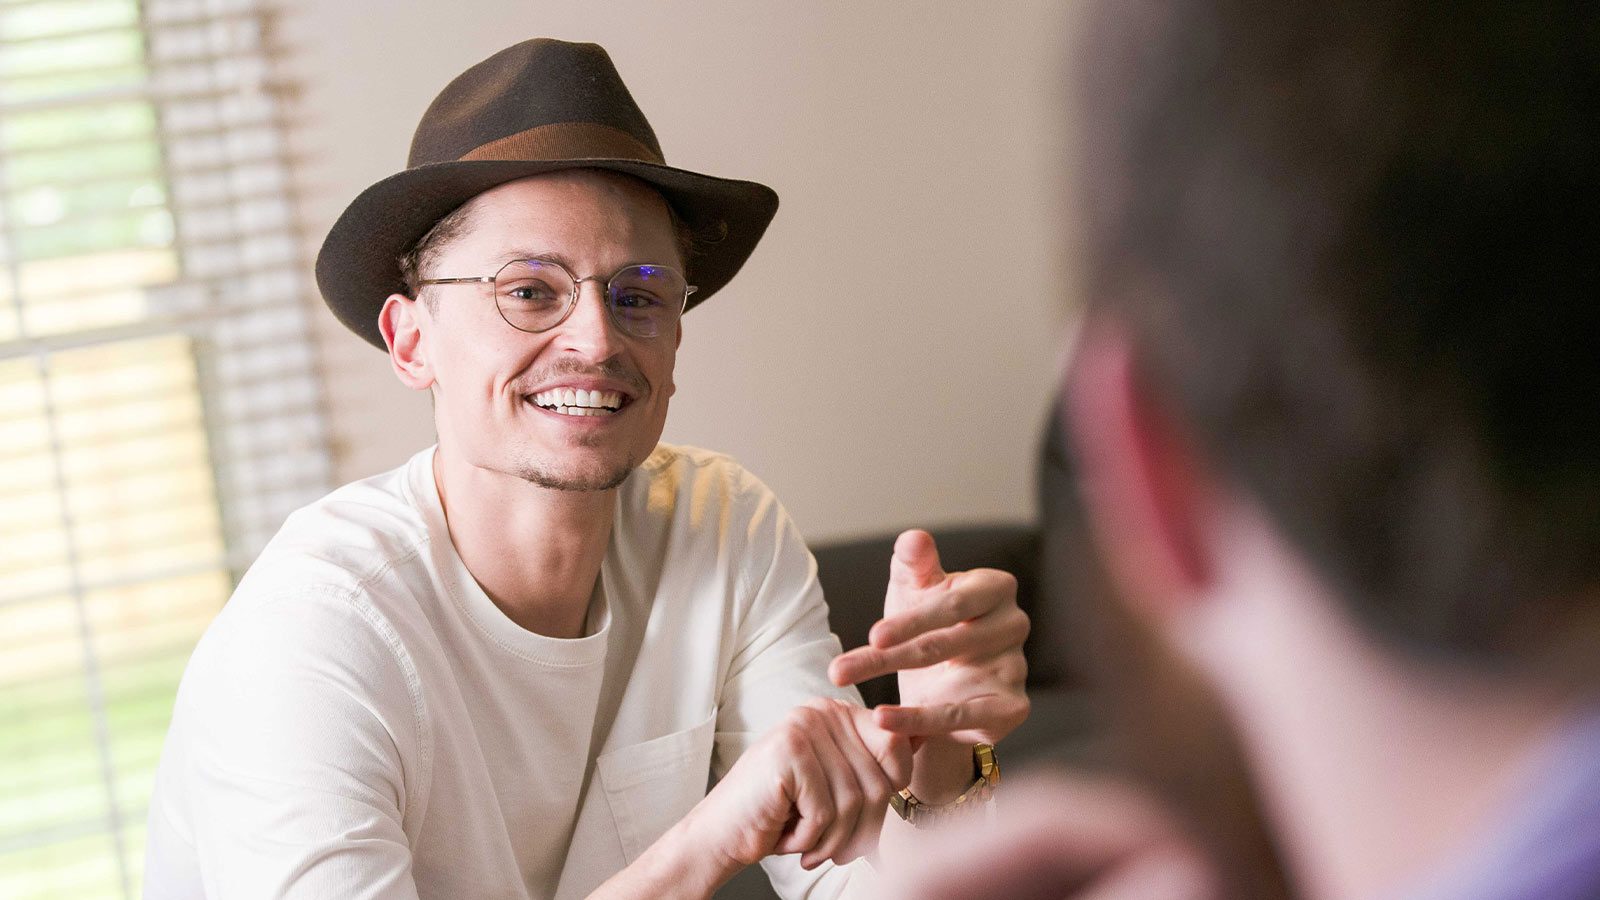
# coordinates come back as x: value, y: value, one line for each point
x: 579, y: 402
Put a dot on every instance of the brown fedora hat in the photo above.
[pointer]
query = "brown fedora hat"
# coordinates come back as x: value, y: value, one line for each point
x: 539, y: 106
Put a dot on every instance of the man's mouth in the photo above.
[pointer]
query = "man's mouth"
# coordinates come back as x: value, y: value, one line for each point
x: 571, y: 402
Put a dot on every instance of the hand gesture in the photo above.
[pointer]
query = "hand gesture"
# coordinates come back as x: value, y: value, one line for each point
x: 956, y: 642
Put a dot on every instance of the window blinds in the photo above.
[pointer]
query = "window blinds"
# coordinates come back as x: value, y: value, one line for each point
x: 159, y: 413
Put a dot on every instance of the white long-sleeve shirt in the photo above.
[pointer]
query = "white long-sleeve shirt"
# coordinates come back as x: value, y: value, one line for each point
x: 361, y: 721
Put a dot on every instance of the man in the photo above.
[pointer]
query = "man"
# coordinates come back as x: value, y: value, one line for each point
x: 1335, y: 409
x: 508, y: 668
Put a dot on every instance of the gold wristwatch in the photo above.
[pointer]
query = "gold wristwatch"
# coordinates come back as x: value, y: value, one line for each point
x: 986, y: 772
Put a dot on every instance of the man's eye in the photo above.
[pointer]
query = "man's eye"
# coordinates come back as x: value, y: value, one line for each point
x: 637, y: 300
x: 531, y: 293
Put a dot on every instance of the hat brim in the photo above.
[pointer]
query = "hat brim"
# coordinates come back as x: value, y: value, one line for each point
x: 357, y: 268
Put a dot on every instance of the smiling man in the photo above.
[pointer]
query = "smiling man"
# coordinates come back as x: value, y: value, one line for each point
x: 509, y: 667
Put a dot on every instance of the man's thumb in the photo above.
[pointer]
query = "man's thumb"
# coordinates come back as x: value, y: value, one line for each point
x: 916, y: 560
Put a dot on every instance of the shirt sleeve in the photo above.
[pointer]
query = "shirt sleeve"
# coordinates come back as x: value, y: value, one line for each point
x: 781, y: 660
x: 293, y: 729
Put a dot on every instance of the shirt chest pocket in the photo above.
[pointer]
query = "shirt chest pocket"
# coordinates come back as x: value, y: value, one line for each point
x: 650, y: 786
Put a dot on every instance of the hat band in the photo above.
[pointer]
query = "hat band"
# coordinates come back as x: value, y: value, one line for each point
x: 566, y: 140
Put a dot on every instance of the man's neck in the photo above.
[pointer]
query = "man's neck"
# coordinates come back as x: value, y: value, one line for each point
x: 535, y: 551
x: 1378, y: 769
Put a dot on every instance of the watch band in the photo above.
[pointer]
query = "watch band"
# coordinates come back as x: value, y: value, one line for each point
x: 986, y: 776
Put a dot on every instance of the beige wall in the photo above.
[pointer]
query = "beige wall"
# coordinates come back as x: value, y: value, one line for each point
x: 886, y: 356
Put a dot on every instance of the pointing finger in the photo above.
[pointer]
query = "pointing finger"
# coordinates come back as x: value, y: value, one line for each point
x: 971, y: 594
x: 858, y: 665
x: 988, y: 713
x: 979, y: 638
x: 862, y: 663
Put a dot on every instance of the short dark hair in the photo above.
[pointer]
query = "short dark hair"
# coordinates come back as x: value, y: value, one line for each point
x: 425, y: 252
x: 1357, y: 247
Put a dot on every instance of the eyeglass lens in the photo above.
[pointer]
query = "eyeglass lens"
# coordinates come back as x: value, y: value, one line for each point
x: 645, y: 301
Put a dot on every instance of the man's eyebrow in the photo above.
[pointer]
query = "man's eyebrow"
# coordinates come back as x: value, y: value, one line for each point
x: 543, y: 255
x: 559, y: 258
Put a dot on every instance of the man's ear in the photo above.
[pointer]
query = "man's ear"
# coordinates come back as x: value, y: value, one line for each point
x: 1146, y: 490
x: 400, y: 320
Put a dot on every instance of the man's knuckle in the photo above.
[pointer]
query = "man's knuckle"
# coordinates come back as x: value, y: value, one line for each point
x: 1005, y: 581
x: 849, y: 804
x: 1024, y: 622
x: 1012, y: 668
x: 814, y: 713
x: 794, y: 740
x: 966, y: 604
x: 997, y: 580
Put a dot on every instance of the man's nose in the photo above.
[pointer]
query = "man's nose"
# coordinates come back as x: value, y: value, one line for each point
x: 589, y: 329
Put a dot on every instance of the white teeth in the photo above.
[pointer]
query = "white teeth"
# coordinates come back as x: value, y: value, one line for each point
x: 577, y: 401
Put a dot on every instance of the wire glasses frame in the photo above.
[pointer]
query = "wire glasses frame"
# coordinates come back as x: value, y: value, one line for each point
x: 536, y: 295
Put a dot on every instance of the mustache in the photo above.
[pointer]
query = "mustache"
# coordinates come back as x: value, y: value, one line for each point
x: 611, y: 369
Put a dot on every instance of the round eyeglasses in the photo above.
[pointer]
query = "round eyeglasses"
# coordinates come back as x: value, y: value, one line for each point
x: 536, y: 295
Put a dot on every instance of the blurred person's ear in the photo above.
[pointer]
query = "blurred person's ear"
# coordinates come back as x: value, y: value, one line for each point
x: 402, y: 332
x: 1144, y: 488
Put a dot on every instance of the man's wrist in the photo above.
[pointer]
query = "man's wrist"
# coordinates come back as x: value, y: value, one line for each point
x: 985, y: 777
x: 941, y: 770
x: 681, y: 863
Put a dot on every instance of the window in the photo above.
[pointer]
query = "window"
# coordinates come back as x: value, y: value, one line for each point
x: 158, y: 409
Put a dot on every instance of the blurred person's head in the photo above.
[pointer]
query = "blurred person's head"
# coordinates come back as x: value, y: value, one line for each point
x: 1158, y: 724
x: 1337, y: 400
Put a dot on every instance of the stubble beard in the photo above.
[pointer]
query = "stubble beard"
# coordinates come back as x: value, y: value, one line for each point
x: 577, y: 483
x: 549, y: 477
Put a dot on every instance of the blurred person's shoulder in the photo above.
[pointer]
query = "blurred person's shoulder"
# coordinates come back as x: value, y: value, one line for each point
x: 1545, y: 842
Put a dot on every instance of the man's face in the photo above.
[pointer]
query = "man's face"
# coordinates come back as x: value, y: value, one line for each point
x: 493, y: 384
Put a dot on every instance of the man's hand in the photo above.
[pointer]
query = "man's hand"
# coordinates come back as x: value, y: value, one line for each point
x: 956, y: 641
x: 1061, y: 836
x: 818, y: 785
